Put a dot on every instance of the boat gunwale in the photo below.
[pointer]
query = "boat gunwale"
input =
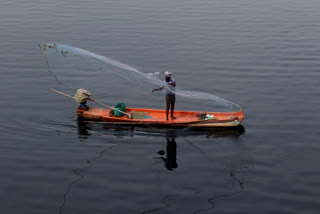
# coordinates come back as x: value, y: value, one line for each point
x: 235, y: 120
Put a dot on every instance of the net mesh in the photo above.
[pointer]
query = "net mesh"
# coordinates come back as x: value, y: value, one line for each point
x: 105, y: 77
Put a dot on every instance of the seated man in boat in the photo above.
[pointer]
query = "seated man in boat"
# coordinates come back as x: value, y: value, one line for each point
x: 169, y: 85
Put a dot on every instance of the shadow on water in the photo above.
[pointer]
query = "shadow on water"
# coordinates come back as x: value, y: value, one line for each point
x: 236, y: 173
x: 170, y: 163
x: 167, y: 156
x: 78, y: 172
x: 224, y: 195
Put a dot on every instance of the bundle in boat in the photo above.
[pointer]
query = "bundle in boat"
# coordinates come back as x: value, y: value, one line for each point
x: 81, y: 97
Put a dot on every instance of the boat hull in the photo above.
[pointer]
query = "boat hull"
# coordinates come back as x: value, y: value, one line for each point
x: 158, y: 117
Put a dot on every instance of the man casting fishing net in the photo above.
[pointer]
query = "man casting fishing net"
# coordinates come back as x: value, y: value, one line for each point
x: 169, y: 85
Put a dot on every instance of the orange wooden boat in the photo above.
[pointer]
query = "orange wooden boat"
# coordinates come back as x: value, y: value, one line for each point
x: 158, y: 117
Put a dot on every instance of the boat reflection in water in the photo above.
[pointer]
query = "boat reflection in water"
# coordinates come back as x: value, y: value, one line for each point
x: 85, y: 129
x: 169, y: 157
x: 224, y: 165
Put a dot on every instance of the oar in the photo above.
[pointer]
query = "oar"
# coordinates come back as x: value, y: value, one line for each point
x: 59, y: 92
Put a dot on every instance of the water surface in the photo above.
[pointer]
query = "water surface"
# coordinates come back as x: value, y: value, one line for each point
x: 263, y: 55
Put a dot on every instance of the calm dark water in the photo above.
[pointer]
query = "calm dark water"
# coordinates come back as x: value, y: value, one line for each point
x: 263, y: 55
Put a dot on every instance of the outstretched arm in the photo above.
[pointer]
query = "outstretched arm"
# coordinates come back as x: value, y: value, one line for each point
x: 157, y: 89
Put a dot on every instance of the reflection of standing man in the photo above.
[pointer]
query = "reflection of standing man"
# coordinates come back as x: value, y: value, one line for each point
x: 169, y: 84
x: 171, y: 160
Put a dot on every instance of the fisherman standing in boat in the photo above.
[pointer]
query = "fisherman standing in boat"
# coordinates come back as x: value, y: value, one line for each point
x: 169, y: 85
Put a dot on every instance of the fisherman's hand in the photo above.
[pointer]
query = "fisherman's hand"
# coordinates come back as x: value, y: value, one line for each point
x: 153, y: 90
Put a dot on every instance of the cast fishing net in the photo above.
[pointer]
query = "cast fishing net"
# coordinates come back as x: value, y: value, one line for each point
x: 111, y: 81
